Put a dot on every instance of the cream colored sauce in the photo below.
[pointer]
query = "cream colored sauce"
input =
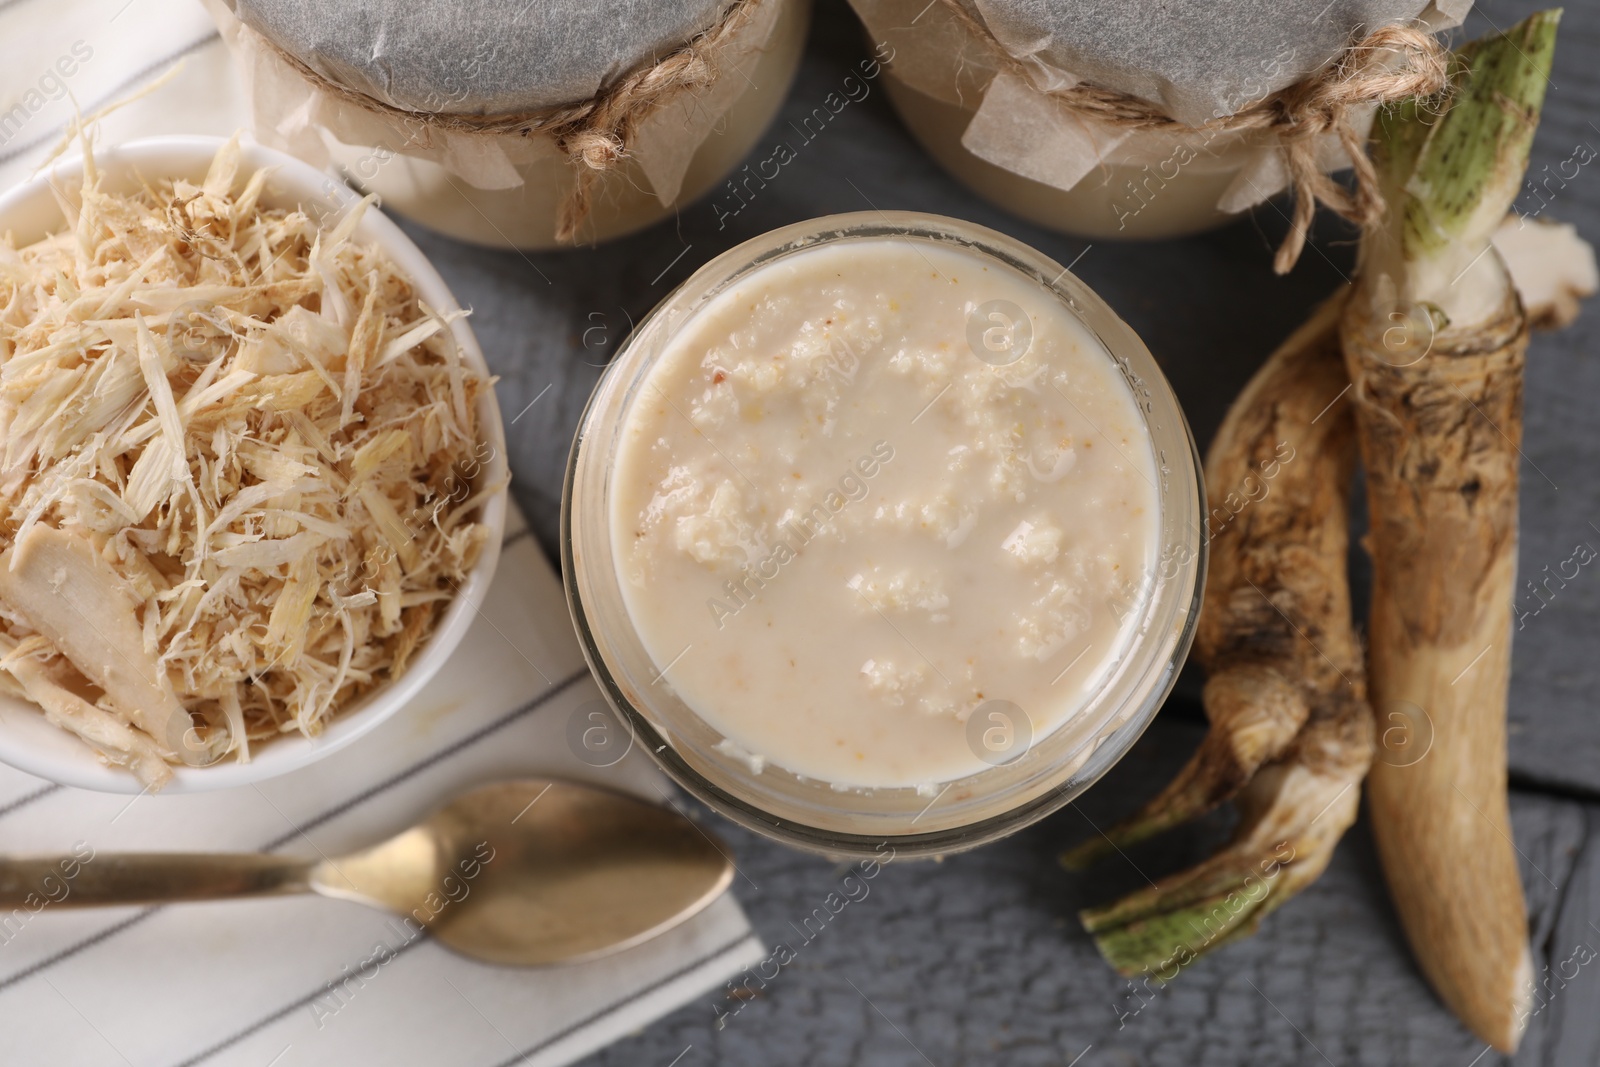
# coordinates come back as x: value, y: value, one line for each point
x: 840, y: 531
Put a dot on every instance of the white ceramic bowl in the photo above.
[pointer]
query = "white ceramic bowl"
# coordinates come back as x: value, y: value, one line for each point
x: 29, y: 212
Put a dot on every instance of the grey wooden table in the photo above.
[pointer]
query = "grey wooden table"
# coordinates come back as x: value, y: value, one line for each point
x: 979, y: 959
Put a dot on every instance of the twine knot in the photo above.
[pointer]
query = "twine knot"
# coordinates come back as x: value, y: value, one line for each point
x: 1390, y: 64
x: 596, y: 149
x: 596, y: 134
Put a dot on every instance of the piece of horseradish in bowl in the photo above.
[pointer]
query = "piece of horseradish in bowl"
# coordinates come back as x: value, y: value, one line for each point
x: 884, y: 528
x: 253, y: 480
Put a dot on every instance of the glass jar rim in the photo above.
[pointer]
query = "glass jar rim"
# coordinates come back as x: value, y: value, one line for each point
x: 812, y: 815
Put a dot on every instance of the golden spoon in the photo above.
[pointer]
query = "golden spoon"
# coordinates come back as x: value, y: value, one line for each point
x: 531, y: 871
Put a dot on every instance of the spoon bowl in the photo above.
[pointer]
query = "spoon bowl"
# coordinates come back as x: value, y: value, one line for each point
x: 537, y: 871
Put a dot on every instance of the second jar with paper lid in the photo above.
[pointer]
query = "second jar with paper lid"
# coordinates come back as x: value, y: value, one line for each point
x: 1116, y: 125
x: 883, y: 526
x: 528, y: 125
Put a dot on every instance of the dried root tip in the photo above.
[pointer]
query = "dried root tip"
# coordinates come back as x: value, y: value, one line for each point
x: 1255, y: 712
x: 1295, y: 817
x: 1161, y: 930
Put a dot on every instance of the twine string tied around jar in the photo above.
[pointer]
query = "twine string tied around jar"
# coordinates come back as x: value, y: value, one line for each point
x: 595, y: 135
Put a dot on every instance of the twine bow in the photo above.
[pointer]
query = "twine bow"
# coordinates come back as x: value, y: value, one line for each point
x: 1389, y: 64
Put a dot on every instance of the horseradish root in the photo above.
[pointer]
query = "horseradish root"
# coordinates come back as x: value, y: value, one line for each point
x: 1434, y: 337
x: 1291, y: 732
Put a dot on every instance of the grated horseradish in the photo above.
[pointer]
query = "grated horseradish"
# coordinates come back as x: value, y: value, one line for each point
x: 237, y: 487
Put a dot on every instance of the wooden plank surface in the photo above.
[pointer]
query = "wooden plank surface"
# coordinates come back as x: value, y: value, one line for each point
x: 979, y: 959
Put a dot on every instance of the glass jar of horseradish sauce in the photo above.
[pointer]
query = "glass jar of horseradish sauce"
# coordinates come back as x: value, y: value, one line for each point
x: 1147, y: 119
x: 884, y: 528
x: 530, y: 126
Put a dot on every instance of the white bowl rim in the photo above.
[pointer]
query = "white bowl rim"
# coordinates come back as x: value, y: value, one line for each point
x: 75, y: 764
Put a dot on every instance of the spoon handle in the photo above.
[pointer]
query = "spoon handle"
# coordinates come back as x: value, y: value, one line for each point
x: 146, y: 878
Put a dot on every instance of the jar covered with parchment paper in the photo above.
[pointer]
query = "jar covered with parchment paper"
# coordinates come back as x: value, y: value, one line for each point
x: 528, y: 125
x: 1153, y: 124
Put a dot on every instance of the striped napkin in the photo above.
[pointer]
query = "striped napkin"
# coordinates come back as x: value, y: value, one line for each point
x: 300, y: 980
x: 292, y: 981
